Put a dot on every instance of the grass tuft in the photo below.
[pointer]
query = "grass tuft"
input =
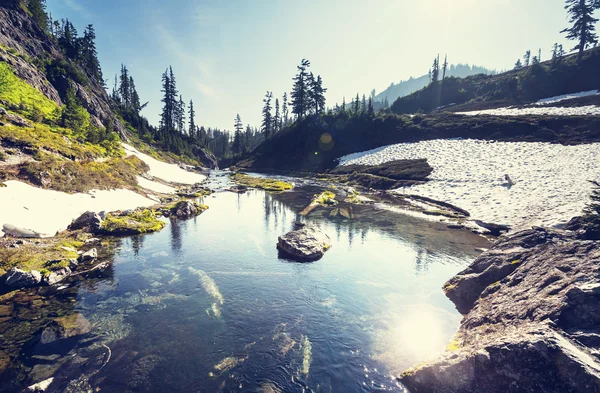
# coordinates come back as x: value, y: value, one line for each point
x: 261, y: 182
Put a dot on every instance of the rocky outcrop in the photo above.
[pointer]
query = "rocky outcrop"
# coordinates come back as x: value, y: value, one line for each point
x: 186, y: 209
x: 17, y: 278
x: 88, y: 256
x: 305, y: 244
x: 532, y: 320
x: 29, y: 45
x: 88, y: 220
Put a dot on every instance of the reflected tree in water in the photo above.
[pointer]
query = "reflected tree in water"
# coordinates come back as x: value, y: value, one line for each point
x: 175, y: 236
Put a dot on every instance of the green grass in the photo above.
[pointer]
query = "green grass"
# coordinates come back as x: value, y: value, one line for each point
x: 139, y: 221
x: 325, y: 198
x: 261, y: 182
x: 24, y: 96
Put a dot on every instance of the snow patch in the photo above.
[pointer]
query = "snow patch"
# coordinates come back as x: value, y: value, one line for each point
x: 167, y: 172
x: 588, y: 110
x: 564, y: 97
x: 48, y: 211
x: 552, y: 181
x: 155, y: 186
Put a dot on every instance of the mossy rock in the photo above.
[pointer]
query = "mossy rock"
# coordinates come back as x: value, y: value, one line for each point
x: 135, y: 223
x: 261, y: 183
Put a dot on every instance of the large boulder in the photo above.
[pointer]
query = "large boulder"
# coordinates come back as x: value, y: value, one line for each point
x: 88, y: 256
x: 304, y: 244
x: 186, y: 209
x: 17, y: 278
x: 88, y: 220
x: 532, y: 320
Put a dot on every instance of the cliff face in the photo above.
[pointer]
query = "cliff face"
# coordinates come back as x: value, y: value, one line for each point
x: 532, y: 320
x: 33, y: 56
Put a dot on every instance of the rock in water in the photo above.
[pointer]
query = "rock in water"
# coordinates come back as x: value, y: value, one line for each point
x: 185, y: 209
x: 88, y: 256
x: 532, y: 320
x: 17, y: 278
x: 65, y: 327
x: 305, y: 244
x: 88, y: 220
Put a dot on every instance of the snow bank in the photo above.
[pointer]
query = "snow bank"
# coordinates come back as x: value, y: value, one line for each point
x: 588, y: 110
x: 551, y: 180
x: 48, y: 211
x: 155, y: 186
x: 564, y: 97
x: 167, y: 172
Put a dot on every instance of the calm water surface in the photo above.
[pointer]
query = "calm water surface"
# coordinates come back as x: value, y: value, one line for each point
x: 207, y: 305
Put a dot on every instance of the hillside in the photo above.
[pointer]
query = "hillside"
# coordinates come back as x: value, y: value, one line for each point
x: 404, y: 88
x: 314, y: 144
x: 516, y: 87
x: 57, y: 121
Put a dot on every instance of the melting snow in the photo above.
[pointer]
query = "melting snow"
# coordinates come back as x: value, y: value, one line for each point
x: 48, y: 211
x: 155, y: 186
x: 564, y: 97
x: 588, y: 110
x: 552, y: 181
x: 167, y: 172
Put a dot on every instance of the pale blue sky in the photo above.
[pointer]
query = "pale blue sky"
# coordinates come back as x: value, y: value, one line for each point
x: 227, y: 54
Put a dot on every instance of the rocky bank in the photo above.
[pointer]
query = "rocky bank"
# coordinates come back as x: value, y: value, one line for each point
x: 531, y: 323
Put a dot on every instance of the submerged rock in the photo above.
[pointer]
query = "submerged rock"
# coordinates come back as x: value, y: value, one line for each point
x: 17, y: 278
x: 305, y: 244
x: 65, y: 327
x: 532, y: 320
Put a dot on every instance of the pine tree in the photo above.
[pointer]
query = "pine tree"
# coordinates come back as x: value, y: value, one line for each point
x: 277, y: 117
x: 343, y: 107
x: 370, y: 110
x: 192, y: 123
x: 89, y: 54
x: 445, y: 67
x: 166, y: 118
x: 115, y: 92
x: 124, y: 88
x: 237, y: 146
x: 300, y: 91
x: 284, y: 111
x: 583, y: 28
x: 134, y: 96
x: 248, y: 140
x: 535, y: 60
x: 38, y: 12
x: 363, y: 104
x: 267, y: 121
x: 518, y: 64
x: 356, y: 106
x: 527, y: 58
x: 181, y: 115
x: 435, y: 69
x: 318, y: 95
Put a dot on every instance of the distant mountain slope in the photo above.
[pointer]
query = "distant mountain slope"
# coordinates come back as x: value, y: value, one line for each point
x: 404, y: 88
x: 513, y: 87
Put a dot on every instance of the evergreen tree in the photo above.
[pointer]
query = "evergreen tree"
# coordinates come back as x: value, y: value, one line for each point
x: 300, y: 99
x: 284, y: 111
x: 134, y: 96
x: 38, y: 12
x: 527, y: 58
x: 343, y: 107
x: 267, y: 121
x: 445, y: 67
x: 363, y: 105
x: 89, y: 54
x: 248, y: 139
x: 318, y: 95
x: 181, y: 115
x: 68, y: 40
x: 237, y: 146
x: 115, y: 93
x: 356, y: 106
x: 370, y: 110
x: 124, y: 88
x: 583, y: 29
x: 166, y: 118
x: 435, y: 70
x: 535, y: 60
x: 277, y: 118
x: 518, y: 64
x: 192, y: 123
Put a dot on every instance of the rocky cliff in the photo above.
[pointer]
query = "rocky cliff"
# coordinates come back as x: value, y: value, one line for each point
x: 532, y: 320
x: 33, y: 56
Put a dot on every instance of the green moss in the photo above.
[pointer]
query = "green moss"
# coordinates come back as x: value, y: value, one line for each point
x: 19, y: 93
x: 262, y: 183
x: 454, y: 345
x: 515, y: 262
x: 449, y: 287
x: 139, y: 221
x: 325, y: 198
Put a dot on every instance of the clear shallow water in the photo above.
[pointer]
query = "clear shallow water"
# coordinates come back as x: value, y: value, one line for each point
x: 206, y: 305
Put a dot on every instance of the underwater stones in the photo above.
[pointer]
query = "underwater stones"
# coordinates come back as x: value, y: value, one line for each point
x: 65, y: 327
x: 57, y: 276
x: 88, y: 255
x: 88, y: 220
x: 4, y: 361
x: 305, y: 244
x: 17, y: 278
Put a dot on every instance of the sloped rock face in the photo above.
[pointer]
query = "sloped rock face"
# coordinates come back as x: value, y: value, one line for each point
x: 305, y: 244
x: 19, y: 32
x: 532, y: 320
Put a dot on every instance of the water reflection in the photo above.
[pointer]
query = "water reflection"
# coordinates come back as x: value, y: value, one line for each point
x: 225, y: 314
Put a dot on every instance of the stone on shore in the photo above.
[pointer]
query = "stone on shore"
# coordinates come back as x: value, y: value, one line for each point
x: 88, y: 256
x: 305, y: 244
x: 17, y: 278
x: 88, y: 220
x: 532, y: 320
